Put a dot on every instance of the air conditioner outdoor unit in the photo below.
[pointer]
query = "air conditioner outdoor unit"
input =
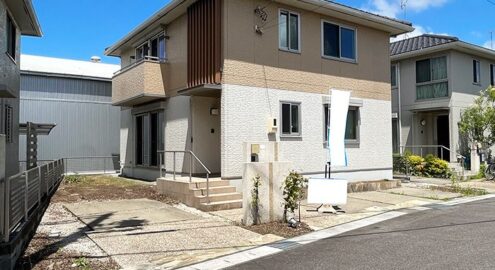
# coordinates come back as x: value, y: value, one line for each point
x: 272, y: 125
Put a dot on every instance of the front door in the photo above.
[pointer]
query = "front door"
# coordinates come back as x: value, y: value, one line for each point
x: 443, y: 136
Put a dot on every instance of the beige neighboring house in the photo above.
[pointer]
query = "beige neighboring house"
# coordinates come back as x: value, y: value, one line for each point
x: 207, y: 76
x: 16, y: 18
x: 434, y: 78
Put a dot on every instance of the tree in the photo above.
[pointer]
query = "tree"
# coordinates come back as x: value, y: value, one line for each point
x: 478, y: 120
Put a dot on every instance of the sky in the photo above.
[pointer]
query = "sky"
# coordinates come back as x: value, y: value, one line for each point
x: 79, y: 29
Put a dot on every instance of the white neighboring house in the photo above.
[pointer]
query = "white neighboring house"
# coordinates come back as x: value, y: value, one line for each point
x: 434, y: 78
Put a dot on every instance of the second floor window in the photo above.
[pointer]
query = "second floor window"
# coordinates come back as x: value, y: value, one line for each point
x: 289, y: 31
x: 11, y: 37
x: 339, y: 41
x: 492, y: 74
x: 393, y: 76
x: 476, y: 71
x: 154, y: 48
x: 431, y: 78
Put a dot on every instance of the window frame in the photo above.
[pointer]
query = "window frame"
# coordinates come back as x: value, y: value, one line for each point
x: 340, y: 58
x: 348, y: 142
x: 476, y: 72
x: 291, y: 134
x: 446, y: 80
x: 396, y: 68
x: 11, y: 39
x: 288, y: 49
x: 148, y: 43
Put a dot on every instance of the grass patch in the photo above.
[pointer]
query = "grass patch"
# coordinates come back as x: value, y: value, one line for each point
x: 464, y: 191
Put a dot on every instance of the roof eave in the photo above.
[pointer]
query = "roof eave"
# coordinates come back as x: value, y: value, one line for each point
x: 36, y: 27
x: 456, y: 45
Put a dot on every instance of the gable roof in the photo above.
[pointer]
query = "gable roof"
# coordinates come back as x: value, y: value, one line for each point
x: 428, y: 44
x: 175, y: 8
x: 66, y: 67
x: 419, y: 43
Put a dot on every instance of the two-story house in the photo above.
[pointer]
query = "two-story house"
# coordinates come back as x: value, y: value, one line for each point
x: 433, y: 79
x: 16, y: 18
x: 207, y: 75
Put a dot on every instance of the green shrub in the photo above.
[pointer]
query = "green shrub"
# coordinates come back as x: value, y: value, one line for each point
x: 436, y: 167
x: 72, y: 179
x: 481, y: 174
x: 293, y: 191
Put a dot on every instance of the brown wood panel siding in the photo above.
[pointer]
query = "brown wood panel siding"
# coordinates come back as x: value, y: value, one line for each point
x: 204, y: 43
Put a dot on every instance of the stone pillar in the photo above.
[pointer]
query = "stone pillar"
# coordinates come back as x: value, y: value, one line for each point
x: 475, y: 159
x: 271, y: 201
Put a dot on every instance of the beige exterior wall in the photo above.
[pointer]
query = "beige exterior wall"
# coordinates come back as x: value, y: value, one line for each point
x: 143, y: 78
x: 255, y: 60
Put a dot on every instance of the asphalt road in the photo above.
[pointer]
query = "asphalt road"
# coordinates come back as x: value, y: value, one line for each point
x: 454, y: 237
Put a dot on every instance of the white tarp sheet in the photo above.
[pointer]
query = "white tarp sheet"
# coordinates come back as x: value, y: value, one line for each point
x: 338, y: 119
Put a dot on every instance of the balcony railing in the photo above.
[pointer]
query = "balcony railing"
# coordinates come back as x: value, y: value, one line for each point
x: 140, y: 82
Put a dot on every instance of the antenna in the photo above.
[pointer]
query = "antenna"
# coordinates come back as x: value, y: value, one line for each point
x: 403, y: 6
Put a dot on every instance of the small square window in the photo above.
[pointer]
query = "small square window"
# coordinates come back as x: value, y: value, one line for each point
x: 291, y: 118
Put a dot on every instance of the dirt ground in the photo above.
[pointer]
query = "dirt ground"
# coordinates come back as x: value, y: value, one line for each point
x: 90, y: 188
x: 280, y: 229
x: 44, y: 254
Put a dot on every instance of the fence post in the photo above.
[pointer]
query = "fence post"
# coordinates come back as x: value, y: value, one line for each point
x: 104, y: 166
x: 39, y: 185
x: 174, y: 165
x: 26, y: 192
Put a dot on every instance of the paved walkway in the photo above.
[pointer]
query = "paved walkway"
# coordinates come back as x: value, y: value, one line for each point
x: 146, y: 234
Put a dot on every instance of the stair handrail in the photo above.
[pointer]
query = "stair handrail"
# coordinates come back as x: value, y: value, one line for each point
x: 193, y: 155
x: 460, y: 158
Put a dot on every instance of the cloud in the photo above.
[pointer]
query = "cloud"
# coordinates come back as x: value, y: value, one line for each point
x: 488, y: 44
x: 392, y: 8
x: 418, y: 31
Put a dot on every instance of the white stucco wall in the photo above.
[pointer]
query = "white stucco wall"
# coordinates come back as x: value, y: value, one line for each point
x: 244, y: 114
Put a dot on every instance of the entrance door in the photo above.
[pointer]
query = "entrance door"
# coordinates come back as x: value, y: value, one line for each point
x: 443, y: 136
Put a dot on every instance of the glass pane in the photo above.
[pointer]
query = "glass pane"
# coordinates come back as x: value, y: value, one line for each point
x: 476, y: 71
x: 348, y: 41
x: 154, y: 48
x: 395, y: 135
x: 492, y: 76
x: 295, y: 118
x: 154, y: 139
x: 393, y: 75
x: 139, y: 53
x: 439, y: 68
x: 326, y: 125
x: 286, y: 119
x: 294, y: 32
x: 435, y: 90
x: 331, y: 41
x: 161, y: 48
x: 146, y: 49
x: 351, y: 125
x: 423, y: 73
x: 139, y: 140
x: 282, y: 30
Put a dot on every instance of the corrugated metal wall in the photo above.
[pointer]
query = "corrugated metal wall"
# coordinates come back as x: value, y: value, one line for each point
x: 87, y: 123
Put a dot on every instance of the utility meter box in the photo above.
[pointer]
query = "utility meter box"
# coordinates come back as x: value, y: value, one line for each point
x: 272, y: 125
x: 261, y: 151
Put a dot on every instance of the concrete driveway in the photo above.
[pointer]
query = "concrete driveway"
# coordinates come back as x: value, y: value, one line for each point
x: 146, y: 234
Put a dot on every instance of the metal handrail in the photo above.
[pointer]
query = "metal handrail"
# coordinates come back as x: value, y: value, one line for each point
x: 152, y: 59
x: 191, y: 153
x: 430, y: 146
x: 67, y: 159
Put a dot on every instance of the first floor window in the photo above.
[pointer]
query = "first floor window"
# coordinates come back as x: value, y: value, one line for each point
x: 339, y: 41
x: 393, y: 76
x: 352, y: 124
x: 9, y: 124
x: 149, y: 138
x: 492, y: 74
x: 11, y: 37
x: 395, y: 135
x: 476, y: 71
x: 291, y: 122
x: 289, y: 30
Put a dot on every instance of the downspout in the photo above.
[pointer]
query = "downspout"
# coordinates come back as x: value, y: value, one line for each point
x: 399, y: 116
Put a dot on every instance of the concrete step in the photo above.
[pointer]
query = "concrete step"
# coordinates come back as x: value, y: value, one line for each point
x: 222, y: 197
x: 213, y: 183
x: 217, y: 206
x: 213, y: 190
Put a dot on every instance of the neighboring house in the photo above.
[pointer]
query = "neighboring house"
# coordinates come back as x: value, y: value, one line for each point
x: 207, y: 76
x: 433, y: 79
x: 16, y: 18
x: 77, y: 97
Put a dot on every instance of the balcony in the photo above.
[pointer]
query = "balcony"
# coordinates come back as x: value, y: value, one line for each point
x: 139, y: 83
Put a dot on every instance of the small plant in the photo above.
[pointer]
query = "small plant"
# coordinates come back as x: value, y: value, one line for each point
x: 255, y: 199
x: 82, y: 263
x: 73, y: 179
x: 465, y: 191
x: 481, y: 174
x: 293, y: 192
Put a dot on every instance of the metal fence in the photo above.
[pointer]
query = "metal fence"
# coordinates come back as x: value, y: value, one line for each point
x: 86, y: 165
x: 23, y: 193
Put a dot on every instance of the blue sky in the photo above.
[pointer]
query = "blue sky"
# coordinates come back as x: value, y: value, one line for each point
x: 79, y: 29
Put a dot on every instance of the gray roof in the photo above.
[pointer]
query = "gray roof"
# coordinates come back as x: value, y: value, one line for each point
x: 419, y: 43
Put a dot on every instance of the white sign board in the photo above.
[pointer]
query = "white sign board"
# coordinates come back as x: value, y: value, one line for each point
x: 327, y: 191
